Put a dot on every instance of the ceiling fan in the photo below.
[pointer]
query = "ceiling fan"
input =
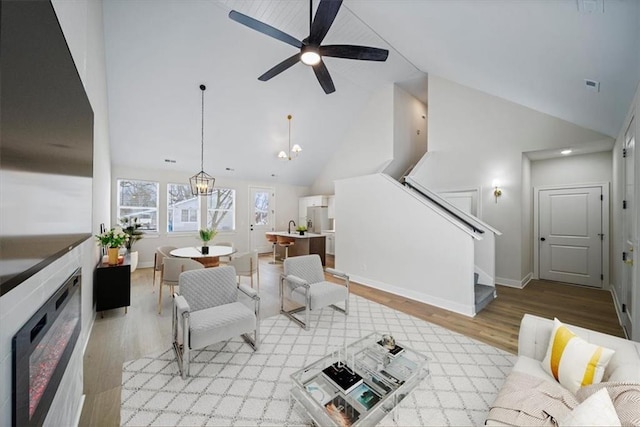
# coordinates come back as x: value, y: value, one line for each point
x: 311, y: 50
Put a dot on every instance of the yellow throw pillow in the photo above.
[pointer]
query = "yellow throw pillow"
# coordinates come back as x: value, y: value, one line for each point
x: 572, y: 361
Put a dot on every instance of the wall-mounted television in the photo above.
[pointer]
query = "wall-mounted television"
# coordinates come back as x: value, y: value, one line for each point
x: 46, y: 143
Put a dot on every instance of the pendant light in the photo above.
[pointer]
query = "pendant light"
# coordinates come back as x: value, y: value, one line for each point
x: 295, y: 149
x: 202, y: 183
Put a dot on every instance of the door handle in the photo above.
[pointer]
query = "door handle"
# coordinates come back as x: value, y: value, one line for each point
x: 542, y: 239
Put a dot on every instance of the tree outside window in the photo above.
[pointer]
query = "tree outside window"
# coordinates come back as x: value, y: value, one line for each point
x: 221, y: 209
x: 183, y: 209
x: 261, y: 208
x: 139, y: 199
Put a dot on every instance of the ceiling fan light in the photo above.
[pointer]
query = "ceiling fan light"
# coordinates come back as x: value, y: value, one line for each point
x: 296, y: 149
x: 282, y: 155
x: 310, y: 56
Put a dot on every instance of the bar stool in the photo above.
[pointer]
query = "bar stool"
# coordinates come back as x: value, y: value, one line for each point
x: 273, y: 240
x: 285, y: 242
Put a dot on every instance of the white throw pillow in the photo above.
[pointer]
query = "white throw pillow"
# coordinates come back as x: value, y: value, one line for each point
x: 597, y: 410
x: 572, y: 361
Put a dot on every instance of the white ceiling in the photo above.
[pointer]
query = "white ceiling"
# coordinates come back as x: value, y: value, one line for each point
x: 533, y: 52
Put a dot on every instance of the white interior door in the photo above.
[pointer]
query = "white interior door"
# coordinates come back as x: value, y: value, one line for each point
x: 261, y: 217
x: 629, y: 227
x: 570, y: 233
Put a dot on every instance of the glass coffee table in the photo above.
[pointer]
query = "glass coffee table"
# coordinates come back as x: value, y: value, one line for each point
x: 360, y: 383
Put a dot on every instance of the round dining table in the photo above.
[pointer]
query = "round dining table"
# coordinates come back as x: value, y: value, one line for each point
x: 211, y: 259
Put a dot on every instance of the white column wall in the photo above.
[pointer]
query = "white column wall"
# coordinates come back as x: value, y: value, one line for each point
x: 409, y: 132
x: 526, y: 270
x: 474, y: 138
x: 391, y: 240
x: 366, y: 147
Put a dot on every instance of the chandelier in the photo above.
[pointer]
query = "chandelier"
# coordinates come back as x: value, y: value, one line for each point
x: 295, y: 149
x: 202, y: 183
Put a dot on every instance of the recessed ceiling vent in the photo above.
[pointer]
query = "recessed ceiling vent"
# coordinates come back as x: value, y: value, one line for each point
x: 169, y: 161
x: 590, y: 7
x: 592, y: 85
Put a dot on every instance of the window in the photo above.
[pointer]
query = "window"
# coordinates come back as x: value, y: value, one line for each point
x: 139, y: 199
x: 221, y: 206
x: 183, y: 209
x: 189, y: 215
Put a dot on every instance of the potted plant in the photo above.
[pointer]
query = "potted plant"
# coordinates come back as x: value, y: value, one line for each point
x: 301, y: 229
x: 112, y: 240
x: 131, y: 228
x: 207, y: 234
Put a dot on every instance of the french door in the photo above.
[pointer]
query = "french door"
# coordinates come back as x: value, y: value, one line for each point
x: 261, y: 217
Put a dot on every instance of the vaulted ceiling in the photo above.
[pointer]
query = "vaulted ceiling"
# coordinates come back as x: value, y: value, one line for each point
x: 534, y: 52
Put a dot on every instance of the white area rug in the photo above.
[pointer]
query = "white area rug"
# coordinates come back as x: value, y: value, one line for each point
x: 232, y: 385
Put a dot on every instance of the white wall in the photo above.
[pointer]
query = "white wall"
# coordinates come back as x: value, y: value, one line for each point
x: 527, y: 220
x: 475, y: 137
x: 409, y: 132
x: 286, y: 208
x: 81, y: 21
x: 392, y: 240
x: 366, y: 147
x: 581, y: 169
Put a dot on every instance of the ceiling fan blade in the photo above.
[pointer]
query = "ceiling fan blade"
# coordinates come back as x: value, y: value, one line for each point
x: 287, y: 63
x: 347, y: 51
x: 324, y: 77
x: 325, y: 15
x: 263, y: 28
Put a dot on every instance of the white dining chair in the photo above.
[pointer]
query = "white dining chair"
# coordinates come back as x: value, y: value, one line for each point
x: 162, y: 252
x: 225, y: 258
x: 171, y: 270
x: 246, y: 264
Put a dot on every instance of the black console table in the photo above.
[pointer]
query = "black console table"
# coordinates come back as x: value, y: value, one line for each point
x: 112, y: 288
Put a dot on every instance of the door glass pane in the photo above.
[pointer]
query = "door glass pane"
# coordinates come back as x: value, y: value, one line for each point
x: 261, y: 208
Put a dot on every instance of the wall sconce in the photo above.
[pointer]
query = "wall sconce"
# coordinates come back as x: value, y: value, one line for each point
x: 497, y: 192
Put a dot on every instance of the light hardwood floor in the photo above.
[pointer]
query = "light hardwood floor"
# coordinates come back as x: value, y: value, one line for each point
x: 120, y: 337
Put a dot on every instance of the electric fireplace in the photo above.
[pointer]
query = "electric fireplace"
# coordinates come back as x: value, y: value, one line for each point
x: 41, y: 351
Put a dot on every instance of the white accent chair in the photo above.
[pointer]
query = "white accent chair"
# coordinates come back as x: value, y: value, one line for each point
x: 162, y: 252
x: 303, y: 282
x: 246, y: 264
x: 171, y: 269
x: 207, y: 311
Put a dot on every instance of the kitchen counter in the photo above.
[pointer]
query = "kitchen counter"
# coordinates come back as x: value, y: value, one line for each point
x: 310, y: 243
x: 294, y: 234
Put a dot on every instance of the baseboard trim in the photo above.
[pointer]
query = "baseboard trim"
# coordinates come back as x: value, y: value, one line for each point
x: 519, y: 284
x: 619, y: 313
x: 416, y: 296
x: 148, y: 264
x: 79, y: 414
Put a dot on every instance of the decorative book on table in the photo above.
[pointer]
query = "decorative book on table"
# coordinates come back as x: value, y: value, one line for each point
x: 365, y: 396
x: 320, y: 389
x: 341, y: 412
x: 342, y: 376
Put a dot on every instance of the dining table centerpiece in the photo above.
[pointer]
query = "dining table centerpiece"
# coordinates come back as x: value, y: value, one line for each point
x: 113, y: 240
x: 206, y: 234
